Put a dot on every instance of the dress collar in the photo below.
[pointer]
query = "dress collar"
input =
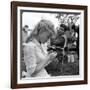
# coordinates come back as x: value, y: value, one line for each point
x: 36, y: 42
x: 39, y: 45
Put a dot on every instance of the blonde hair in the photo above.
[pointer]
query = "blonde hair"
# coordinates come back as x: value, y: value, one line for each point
x: 42, y: 26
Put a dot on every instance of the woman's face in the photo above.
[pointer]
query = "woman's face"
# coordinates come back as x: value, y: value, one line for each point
x: 44, y: 36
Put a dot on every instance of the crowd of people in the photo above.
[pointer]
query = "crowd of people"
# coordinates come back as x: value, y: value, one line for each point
x: 66, y: 43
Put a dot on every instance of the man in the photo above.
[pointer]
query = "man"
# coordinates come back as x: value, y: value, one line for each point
x: 25, y: 33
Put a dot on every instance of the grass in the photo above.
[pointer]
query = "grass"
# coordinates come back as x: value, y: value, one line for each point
x: 58, y: 69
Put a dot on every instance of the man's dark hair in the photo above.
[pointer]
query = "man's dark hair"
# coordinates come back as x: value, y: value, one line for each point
x: 26, y: 26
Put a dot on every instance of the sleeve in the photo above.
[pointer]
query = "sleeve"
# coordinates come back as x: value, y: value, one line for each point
x: 42, y: 57
x: 30, y: 59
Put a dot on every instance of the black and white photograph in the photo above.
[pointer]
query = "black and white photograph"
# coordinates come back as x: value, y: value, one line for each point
x: 50, y: 45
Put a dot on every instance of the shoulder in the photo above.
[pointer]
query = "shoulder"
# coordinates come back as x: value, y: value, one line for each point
x: 29, y: 46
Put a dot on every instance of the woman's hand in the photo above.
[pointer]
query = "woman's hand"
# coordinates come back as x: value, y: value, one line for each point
x: 52, y: 55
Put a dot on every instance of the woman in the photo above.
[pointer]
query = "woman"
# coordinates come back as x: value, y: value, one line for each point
x: 34, y: 56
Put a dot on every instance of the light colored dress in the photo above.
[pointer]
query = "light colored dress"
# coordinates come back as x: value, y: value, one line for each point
x: 33, y: 56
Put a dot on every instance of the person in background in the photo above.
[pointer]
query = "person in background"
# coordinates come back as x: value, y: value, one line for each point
x: 24, y: 38
x: 25, y: 33
x: 34, y: 56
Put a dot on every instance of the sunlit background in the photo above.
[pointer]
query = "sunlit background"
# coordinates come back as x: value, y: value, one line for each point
x: 31, y: 19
